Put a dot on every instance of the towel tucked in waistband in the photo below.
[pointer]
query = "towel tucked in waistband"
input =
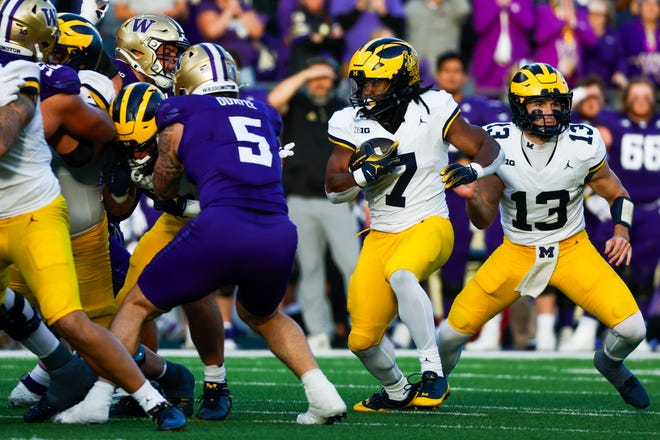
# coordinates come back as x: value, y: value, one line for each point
x: 539, y: 275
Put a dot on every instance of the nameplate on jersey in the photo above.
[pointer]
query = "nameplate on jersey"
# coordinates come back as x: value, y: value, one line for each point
x: 538, y: 276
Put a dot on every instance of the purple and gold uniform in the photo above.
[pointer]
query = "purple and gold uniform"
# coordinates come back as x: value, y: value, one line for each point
x: 88, y: 223
x: 243, y: 234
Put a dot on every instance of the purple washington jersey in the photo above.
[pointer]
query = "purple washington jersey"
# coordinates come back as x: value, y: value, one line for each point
x: 55, y: 79
x: 125, y: 72
x: 230, y: 150
x: 243, y: 235
x: 634, y: 158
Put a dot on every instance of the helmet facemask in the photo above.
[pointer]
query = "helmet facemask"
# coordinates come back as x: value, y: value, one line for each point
x: 540, y: 82
x: 385, y: 59
x: 79, y: 45
x: 141, y: 159
x: 29, y: 29
x: 150, y: 44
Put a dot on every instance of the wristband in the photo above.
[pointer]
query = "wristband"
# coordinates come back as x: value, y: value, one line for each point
x: 477, y: 169
x: 358, y: 175
x: 622, y: 211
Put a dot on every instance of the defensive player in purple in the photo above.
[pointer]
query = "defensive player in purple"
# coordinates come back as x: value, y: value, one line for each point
x: 229, y: 149
x: 633, y: 157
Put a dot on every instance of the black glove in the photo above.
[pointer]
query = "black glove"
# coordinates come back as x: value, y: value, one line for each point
x: 117, y: 177
x: 372, y: 170
x: 175, y: 205
x: 456, y: 174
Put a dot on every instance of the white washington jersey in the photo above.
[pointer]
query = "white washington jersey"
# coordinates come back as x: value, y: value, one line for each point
x: 546, y: 206
x: 414, y: 190
x: 26, y: 180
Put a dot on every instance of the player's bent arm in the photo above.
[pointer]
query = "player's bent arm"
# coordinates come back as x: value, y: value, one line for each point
x: 168, y: 169
x: 79, y: 119
x: 339, y: 180
x: 14, y: 117
x: 483, y: 197
x: 477, y: 143
x: 607, y: 185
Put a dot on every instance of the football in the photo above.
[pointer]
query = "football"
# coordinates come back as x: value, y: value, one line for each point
x: 372, y: 150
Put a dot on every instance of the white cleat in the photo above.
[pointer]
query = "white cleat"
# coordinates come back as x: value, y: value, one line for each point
x: 21, y: 397
x: 84, y: 413
x: 94, y: 408
x: 325, y: 406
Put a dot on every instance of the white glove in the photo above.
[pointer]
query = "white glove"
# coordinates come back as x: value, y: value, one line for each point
x: 94, y: 10
x: 10, y: 88
x: 287, y: 150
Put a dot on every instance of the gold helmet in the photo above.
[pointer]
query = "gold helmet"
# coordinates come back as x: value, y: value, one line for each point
x: 204, y: 69
x: 384, y: 58
x: 134, y: 114
x: 139, y: 39
x: 539, y: 81
x: 29, y: 28
x: 79, y: 45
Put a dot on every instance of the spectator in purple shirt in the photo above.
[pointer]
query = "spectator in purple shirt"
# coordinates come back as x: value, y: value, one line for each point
x: 562, y: 32
x: 502, y: 28
x: 640, y: 39
x: 360, y: 18
x: 603, y: 58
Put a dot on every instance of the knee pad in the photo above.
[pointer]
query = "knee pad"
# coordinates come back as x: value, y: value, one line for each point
x: 632, y: 328
x: 17, y: 317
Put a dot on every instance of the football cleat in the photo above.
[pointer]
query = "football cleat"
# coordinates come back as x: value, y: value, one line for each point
x: 325, y: 406
x: 633, y: 393
x: 380, y: 401
x: 26, y: 393
x: 624, y: 381
x: 216, y: 402
x: 431, y: 392
x: 40, y: 411
x: 168, y: 417
x: 178, y: 387
x: 127, y: 406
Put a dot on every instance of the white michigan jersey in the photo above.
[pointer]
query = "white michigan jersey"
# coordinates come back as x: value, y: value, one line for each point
x: 26, y: 180
x: 414, y: 191
x: 546, y: 206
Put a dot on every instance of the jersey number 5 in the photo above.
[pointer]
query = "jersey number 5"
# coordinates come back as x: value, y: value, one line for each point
x: 240, y: 126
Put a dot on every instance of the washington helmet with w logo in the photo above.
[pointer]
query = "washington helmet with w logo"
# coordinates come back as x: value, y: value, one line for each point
x: 141, y: 43
x: 204, y: 69
x: 28, y: 28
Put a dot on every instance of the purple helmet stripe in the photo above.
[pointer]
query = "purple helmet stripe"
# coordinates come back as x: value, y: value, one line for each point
x: 209, y: 51
x: 10, y: 20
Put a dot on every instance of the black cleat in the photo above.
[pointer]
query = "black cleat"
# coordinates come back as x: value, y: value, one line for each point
x: 168, y: 417
x: 633, y: 393
x: 40, y: 411
x: 127, y: 406
x: 216, y: 402
x: 178, y: 386
x: 432, y: 391
x: 380, y: 401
